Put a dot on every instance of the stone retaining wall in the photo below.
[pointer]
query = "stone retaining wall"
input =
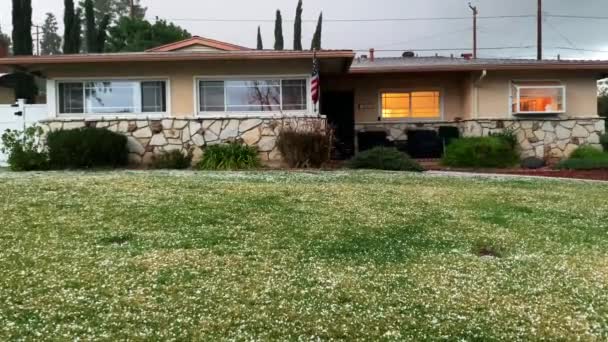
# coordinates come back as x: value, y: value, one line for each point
x: 147, y: 138
x: 543, y: 138
x: 546, y: 139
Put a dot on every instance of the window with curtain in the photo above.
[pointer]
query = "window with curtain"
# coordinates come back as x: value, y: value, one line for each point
x: 260, y: 95
x: 112, y: 97
x: 538, y: 97
x: 411, y: 105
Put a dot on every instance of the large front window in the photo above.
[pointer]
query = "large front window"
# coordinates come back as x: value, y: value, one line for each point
x: 538, y: 98
x: 411, y: 105
x: 258, y: 95
x: 112, y: 97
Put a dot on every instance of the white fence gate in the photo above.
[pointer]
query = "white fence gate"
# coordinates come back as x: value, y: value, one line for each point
x: 8, y: 120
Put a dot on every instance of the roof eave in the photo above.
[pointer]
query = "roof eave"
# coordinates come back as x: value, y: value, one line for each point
x: 168, y: 57
x: 468, y: 68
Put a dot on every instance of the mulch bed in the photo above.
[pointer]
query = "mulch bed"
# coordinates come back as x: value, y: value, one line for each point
x: 601, y: 175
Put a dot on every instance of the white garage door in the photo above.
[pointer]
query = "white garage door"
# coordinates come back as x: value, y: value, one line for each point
x: 8, y: 120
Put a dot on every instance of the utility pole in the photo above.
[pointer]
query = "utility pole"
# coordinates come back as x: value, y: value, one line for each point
x: 539, y: 30
x: 38, y: 27
x: 475, y: 13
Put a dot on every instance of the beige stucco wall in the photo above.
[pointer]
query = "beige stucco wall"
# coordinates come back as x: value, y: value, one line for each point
x: 460, y: 95
x: 7, y: 96
x: 181, y: 75
x: 367, y: 89
x: 495, y: 91
x: 458, y: 90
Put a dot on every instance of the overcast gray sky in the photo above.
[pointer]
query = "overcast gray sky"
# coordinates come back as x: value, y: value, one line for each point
x: 386, y: 35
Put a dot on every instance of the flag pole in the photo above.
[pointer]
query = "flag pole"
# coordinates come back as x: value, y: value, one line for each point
x: 314, y: 58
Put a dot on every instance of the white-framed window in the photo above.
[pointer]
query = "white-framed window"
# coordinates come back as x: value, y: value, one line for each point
x: 538, y: 97
x: 103, y: 97
x: 410, y: 104
x: 253, y: 95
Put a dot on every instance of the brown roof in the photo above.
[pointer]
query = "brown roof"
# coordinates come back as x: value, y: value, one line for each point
x: 176, y: 56
x: 200, y: 41
x: 430, y: 64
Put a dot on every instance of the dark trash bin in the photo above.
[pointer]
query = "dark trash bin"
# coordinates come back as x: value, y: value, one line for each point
x: 424, y: 144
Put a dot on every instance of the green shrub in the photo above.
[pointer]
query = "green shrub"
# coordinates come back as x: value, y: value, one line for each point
x: 481, y: 152
x: 87, y: 148
x: 306, y: 148
x: 232, y: 156
x: 587, y: 152
x: 508, y: 136
x: 25, y: 149
x: 585, y: 158
x: 174, y: 160
x: 604, y: 141
x: 583, y: 164
x: 384, y: 158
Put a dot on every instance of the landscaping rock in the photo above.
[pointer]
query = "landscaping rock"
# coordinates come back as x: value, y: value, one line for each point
x: 532, y: 163
x: 135, y: 146
x: 158, y: 140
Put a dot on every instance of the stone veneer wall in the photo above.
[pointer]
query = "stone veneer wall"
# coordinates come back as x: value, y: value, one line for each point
x: 147, y: 138
x: 542, y: 138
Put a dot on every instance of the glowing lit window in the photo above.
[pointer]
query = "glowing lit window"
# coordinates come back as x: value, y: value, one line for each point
x: 411, y: 105
x: 539, y: 98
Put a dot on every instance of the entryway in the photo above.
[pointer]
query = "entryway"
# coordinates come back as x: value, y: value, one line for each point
x: 339, y: 106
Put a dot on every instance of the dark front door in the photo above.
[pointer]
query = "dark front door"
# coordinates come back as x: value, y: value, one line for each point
x: 339, y: 106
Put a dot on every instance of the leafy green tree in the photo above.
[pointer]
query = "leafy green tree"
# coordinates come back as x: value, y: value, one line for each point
x: 25, y: 87
x: 96, y: 32
x: 72, y: 21
x: 4, y: 38
x: 116, y: 9
x: 297, y: 29
x: 316, y: 39
x: 133, y: 35
x: 51, y: 41
x: 602, y: 102
x: 260, y: 43
x: 278, y: 32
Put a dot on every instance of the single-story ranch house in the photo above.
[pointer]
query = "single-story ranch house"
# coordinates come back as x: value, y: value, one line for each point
x: 200, y: 91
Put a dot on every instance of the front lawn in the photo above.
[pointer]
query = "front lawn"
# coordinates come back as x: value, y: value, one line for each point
x: 266, y: 256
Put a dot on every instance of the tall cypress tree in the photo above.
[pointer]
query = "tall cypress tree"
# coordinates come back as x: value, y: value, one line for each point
x: 278, y: 32
x: 25, y: 86
x: 297, y: 28
x: 22, y: 28
x: 90, y: 29
x: 316, y: 39
x: 95, y: 31
x: 72, y: 28
x: 102, y: 33
x: 260, y: 43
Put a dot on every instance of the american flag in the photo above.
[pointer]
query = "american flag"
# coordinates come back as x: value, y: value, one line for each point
x: 315, y: 81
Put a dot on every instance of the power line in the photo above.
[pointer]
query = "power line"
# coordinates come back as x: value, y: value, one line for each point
x: 452, y: 49
x: 564, y: 37
x: 579, y: 49
x: 564, y: 16
x: 428, y: 36
x: 352, y: 20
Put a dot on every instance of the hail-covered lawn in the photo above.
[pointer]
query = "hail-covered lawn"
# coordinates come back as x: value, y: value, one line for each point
x: 300, y: 256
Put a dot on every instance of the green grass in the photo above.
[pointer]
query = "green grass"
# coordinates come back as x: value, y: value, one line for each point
x: 288, y: 256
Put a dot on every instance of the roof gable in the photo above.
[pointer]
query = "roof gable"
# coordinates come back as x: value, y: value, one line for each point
x: 198, y: 44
